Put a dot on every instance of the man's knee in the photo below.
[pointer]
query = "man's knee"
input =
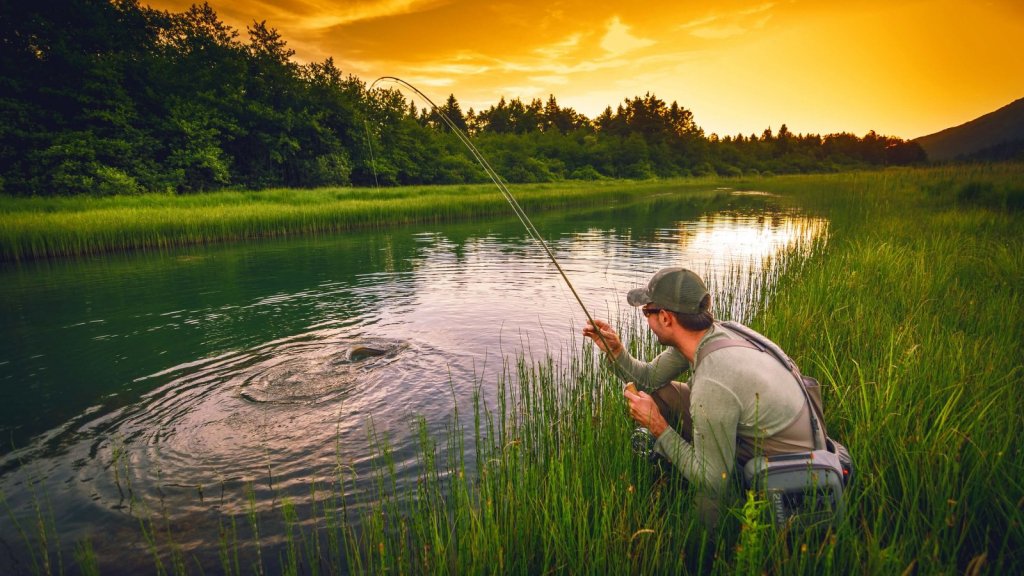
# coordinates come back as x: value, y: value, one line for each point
x: 673, y: 400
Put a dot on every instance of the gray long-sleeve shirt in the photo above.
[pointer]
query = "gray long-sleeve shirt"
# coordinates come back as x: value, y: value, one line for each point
x: 734, y: 392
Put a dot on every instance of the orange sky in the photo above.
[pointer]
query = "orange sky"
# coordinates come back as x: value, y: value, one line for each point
x: 901, y: 68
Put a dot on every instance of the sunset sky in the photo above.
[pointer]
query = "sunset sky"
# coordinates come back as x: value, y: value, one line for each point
x: 901, y: 68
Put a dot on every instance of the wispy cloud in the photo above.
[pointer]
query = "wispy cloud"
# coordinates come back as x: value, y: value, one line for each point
x: 619, y: 38
x: 325, y: 14
x: 757, y: 9
x: 431, y: 80
x: 464, y: 66
x: 559, y: 49
x: 729, y: 25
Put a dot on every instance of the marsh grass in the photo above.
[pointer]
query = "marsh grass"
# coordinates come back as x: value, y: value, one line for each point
x: 910, y: 315
x: 62, y: 226
x: 40, y: 533
x: 914, y: 321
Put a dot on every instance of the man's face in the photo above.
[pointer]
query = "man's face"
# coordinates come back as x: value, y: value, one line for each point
x: 654, y: 322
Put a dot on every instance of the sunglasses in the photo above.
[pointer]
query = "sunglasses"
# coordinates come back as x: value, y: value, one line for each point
x: 649, y: 311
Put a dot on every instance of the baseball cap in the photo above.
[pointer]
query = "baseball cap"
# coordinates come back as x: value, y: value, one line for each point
x: 676, y: 289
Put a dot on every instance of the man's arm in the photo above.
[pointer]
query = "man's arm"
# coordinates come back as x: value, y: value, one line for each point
x: 710, y: 458
x: 664, y: 368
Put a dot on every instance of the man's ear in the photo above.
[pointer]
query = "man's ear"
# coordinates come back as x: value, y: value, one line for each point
x: 671, y: 318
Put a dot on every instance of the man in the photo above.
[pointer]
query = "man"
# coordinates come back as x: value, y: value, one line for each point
x: 739, y: 401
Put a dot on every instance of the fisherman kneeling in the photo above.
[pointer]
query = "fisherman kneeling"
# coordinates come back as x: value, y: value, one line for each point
x: 740, y: 401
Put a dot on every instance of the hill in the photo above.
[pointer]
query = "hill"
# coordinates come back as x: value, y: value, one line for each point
x: 995, y: 135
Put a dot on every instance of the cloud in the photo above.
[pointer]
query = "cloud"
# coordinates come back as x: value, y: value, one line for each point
x: 757, y: 9
x: 619, y: 39
x: 462, y: 66
x: 320, y: 15
x: 730, y: 25
x: 559, y: 49
x: 432, y: 81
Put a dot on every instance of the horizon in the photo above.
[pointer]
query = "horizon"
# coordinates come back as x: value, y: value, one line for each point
x: 906, y: 70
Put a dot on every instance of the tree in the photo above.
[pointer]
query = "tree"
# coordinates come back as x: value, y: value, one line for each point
x: 904, y: 152
x: 267, y: 150
x: 333, y: 126
x: 198, y: 83
x: 453, y: 111
x: 782, y: 141
x: 196, y: 160
x: 496, y: 119
x: 564, y: 120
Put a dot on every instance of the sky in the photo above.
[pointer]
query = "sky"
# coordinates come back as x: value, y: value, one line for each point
x: 900, y: 68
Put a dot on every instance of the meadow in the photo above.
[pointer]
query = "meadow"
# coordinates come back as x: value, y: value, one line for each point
x: 910, y: 314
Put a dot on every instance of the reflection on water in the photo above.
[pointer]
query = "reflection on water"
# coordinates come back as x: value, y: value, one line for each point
x: 182, y: 382
x: 749, y: 239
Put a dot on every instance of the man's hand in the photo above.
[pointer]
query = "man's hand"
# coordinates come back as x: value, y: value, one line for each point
x: 643, y: 409
x: 607, y: 340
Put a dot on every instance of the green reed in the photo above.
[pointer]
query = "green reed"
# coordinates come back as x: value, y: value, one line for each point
x: 914, y: 321
x: 910, y: 315
x: 48, y: 227
x: 39, y: 532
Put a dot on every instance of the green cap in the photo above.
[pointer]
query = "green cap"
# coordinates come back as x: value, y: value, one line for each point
x: 676, y: 289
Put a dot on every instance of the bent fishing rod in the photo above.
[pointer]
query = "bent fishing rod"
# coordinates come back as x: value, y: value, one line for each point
x: 520, y: 213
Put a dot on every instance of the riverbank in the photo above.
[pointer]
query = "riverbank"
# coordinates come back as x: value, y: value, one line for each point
x: 72, y: 226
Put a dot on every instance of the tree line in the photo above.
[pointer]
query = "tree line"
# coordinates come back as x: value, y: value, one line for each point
x: 112, y: 97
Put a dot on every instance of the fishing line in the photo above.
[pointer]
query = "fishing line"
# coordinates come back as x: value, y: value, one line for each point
x: 369, y: 144
x: 520, y: 213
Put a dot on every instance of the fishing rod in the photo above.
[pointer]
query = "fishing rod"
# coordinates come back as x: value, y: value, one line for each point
x: 520, y: 213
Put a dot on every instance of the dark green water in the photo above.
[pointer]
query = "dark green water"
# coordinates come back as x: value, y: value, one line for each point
x: 181, y: 380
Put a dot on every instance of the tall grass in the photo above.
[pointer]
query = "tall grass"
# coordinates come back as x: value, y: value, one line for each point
x: 911, y: 316
x: 914, y: 320
x: 48, y: 227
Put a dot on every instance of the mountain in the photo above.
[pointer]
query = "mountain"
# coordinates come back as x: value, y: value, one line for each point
x: 994, y: 135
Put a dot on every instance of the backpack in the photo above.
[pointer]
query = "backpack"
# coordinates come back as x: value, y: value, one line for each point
x: 804, y: 488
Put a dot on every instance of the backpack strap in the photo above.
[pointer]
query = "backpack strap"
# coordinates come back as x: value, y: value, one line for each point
x: 755, y: 341
x: 724, y: 343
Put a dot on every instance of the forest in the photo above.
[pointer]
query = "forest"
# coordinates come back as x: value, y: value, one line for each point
x: 103, y: 98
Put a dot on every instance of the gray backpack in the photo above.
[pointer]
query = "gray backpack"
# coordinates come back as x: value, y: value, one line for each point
x: 804, y: 488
